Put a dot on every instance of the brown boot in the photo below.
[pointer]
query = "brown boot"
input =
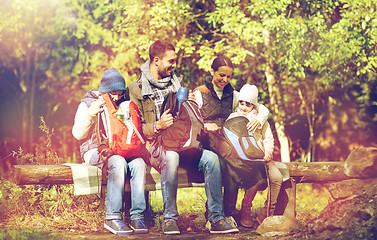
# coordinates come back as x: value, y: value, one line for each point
x: 245, y: 219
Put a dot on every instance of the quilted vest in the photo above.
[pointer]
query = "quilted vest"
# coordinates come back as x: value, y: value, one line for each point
x: 215, y: 110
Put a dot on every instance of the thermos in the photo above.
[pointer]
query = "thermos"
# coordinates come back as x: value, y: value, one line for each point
x: 182, y: 95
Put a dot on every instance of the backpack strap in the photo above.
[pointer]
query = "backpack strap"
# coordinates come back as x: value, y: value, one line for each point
x: 136, y: 131
x: 192, y: 110
x: 109, y: 103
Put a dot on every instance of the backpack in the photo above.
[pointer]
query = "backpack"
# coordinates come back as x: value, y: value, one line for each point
x: 239, y: 149
x: 242, y: 141
x: 119, y: 128
x: 183, y: 136
x: 186, y: 131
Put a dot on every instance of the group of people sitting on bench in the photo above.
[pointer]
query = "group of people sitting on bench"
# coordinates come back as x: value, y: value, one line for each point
x: 217, y: 101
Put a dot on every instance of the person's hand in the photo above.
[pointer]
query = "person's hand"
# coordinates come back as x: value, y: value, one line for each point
x: 253, y: 125
x: 191, y: 96
x: 96, y: 107
x: 267, y: 158
x: 212, y: 127
x: 165, y: 121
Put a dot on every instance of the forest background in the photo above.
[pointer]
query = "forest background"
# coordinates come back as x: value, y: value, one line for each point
x: 314, y: 63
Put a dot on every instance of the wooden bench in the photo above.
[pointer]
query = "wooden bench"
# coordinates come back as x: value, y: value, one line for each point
x: 61, y: 174
x: 302, y: 172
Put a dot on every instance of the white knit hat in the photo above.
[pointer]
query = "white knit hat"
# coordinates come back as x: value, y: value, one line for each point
x: 249, y: 93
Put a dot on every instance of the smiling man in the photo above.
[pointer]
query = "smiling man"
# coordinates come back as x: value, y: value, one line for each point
x: 148, y: 92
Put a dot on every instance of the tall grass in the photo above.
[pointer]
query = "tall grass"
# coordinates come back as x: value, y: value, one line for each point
x: 55, y: 209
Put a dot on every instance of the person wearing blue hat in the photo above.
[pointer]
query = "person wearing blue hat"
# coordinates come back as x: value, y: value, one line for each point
x: 91, y: 105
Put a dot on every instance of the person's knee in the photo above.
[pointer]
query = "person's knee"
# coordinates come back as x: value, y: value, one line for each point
x: 138, y: 166
x: 276, y: 179
x: 211, y: 159
x: 275, y: 175
x: 116, y: 162
x: 171, y: 160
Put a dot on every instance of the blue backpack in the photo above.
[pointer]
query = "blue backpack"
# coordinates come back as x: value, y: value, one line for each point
x: 240, y: 151
x: 242, y: 141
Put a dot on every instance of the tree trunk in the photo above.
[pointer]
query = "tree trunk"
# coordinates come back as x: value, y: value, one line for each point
x: 279, y: 126
x: 33, y: 78
x: 28, y: 86
x: 274, y: 98
x: 24, y: 106
x: 310, y: 116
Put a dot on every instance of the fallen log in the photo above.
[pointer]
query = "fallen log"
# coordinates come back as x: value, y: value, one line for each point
x: 41, y: 174
x: 317, y: 172
x: 61, y: 174
x: 313, y: 172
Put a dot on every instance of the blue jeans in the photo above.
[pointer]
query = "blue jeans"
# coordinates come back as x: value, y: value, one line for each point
x: 210, y: 165
x: 116, y: 176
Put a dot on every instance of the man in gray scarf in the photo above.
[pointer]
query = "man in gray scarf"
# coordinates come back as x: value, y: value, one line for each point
x: 148, y: 92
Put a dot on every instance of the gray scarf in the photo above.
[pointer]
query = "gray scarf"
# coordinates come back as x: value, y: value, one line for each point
x: 147, y: 79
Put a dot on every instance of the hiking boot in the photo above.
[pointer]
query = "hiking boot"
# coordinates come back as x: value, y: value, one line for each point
x: 222, y: 226
x: 138, y: 226
x: 117, y: 226
x: 245, y: 219
x: 262, y: 215
x: 171, y: 228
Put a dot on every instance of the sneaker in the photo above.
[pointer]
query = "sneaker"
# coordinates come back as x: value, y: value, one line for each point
x: 208, y: 225
x: 222, y: 226
x: 138, y: 226
x: 117, y: 226
x: 170, y: 227
x: 230, y: 220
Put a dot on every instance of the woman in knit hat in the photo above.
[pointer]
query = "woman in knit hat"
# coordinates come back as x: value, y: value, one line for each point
x: 92, y: 104
x: 247, y: 107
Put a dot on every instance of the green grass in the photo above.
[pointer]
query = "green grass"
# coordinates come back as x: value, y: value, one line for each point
x: 30, y: 234
x: 310, y: 201
x: 35, y: 212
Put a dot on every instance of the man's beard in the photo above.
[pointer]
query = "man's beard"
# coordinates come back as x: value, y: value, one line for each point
x: 163, y: 73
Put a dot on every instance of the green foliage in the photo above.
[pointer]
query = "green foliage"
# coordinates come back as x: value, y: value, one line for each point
x: 316, y: 50
x: 26, y: 234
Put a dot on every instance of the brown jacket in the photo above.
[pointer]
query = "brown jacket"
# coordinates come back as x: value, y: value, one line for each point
x: 147, y: 110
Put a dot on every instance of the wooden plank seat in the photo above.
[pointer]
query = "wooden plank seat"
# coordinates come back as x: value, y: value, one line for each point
x: 313, y: 172
x: 62, y: 174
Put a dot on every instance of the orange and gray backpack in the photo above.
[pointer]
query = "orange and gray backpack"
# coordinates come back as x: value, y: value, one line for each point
x: 119, y: 129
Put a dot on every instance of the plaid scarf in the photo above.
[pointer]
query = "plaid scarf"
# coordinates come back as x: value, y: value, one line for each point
x: 157, y: 88
x: 159, y: 96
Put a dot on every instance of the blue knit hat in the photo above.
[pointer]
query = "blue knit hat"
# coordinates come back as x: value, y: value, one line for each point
x: 112, y: 81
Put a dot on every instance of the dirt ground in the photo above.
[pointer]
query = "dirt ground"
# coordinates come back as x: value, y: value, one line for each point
x: 154, y: 234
